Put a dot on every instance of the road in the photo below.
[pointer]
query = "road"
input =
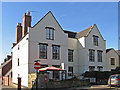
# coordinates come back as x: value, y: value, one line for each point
x: 94, y: 87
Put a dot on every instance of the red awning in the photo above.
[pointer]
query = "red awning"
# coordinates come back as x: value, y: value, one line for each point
x: 50, y: 68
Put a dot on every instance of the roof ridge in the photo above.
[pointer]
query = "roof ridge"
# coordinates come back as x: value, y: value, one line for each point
x: 84, y: 32
x: 5, y: 63
x: 90, y: 30
x: 85, y: 29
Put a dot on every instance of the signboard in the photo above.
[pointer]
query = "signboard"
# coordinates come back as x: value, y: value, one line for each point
x: 37, y: 65
x: 45, y: 78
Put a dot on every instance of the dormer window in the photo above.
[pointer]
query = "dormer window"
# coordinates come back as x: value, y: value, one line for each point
x: 49, y: 33
x: 95, y: 40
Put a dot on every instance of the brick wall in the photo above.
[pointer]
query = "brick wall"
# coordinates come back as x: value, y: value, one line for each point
x: 7, y: 80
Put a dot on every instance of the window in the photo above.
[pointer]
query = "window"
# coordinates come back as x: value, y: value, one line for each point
x: 112, y: 61
x: 91, y: 68
x: 43, y: 66
x: 91, y: 55
x: 56, y: 51
x: 50, y: 33
x: 95, y: 40
x: 100, y: 68
x: 70, y: 55
x: 43, y: 51
x: 18, y: 61
x: 57, y: 66
x: 56, y: 73
x: 99, y: 55
x: 70, y: 71
x: 18, y: 47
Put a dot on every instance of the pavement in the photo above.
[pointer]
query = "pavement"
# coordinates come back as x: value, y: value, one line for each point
x: 93, y: 87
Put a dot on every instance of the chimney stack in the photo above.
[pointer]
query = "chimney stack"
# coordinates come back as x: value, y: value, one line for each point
x: 26, y: 23
x: 18, y: 32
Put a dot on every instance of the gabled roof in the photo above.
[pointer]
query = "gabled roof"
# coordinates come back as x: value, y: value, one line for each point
x: 107, y: 50
x: 118, y: 51
x: 42, y: 18
x: 85, y: 32
x: 5, y: 63
x: 45, y: 16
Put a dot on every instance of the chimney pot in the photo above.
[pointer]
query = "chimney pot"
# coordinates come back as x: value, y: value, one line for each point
x: 28, y: 14
x: 26, y: 23
x: 25, y: 13
x: 19, y: 24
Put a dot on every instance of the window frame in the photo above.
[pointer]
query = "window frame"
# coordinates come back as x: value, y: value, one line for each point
x: 95, y: 40
x: 112, y: 60
x: 99, y: 55
x: 70, y: 56
x: 45, y: 52
x: 58, y: 52
x: 99, y: 68
x: 91, y: 55
x: 91, y: 68
x: 70, y: 73
x: 49, y: 33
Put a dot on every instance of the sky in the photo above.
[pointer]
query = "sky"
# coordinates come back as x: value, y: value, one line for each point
x: 72, y: 16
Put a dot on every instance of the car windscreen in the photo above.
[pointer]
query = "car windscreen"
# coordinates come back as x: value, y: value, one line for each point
x: 113, y: 77
x: 118, y: 77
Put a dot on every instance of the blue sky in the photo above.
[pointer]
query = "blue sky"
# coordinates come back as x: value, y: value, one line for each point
x: 73, y: 16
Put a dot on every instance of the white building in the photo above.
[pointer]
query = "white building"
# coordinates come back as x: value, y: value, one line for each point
x: 112, y: 59
x: 48, y: 42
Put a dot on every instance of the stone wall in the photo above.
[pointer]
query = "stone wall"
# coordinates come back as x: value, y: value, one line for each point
x: 67, y: 83
x: 31, y: 78
x: 54, y: 84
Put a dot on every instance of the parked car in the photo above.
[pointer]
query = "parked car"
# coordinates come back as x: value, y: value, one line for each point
x: 114, y: 80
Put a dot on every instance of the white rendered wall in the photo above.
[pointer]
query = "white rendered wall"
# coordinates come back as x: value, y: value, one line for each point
x: 38, y: 35
x: 72, y: 44
x: 89, y: 45
x: 82, y: 41
x: 22, y: 69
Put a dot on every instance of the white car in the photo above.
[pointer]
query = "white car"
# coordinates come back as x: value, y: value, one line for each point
x: 114, y: 80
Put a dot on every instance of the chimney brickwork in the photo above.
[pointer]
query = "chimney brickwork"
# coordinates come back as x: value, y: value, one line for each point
x: 18, y: 32
x: 26, y: 23
x: 22, y: 30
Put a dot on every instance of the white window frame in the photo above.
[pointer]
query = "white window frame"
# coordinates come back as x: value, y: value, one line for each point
x: 91, y: 55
